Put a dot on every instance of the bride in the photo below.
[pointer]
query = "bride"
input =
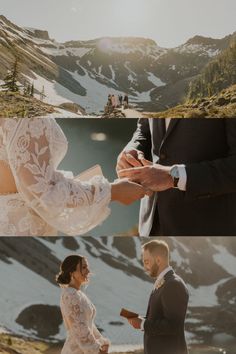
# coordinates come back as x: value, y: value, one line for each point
x: 77, y: 310
x: 36, y: 199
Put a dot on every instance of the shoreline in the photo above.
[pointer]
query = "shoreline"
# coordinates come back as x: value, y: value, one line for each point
x: 11, y: 343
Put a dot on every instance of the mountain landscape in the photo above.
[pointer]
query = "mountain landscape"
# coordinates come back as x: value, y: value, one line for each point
x: 81, y: 74
x: 30, y: 298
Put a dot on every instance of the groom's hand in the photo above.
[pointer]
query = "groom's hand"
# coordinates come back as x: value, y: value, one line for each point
x: 155, y: 177
x: 130, y: 158
x: 135, y: 322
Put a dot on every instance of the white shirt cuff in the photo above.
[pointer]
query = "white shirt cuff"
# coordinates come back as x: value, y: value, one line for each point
x: 182, y: 177
x: 142, y: 323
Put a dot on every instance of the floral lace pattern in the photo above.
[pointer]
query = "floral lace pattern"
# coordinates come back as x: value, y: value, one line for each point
x: 34, y: 148
x: 78, y: 313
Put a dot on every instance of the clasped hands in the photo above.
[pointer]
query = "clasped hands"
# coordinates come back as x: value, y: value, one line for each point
x: 139, y: 177
x: 132, y: 164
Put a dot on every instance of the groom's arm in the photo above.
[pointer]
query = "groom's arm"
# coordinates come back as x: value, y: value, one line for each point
x: 174, y: 301
x: 141, y: 139
x: 203, y: 179
x: 139, y: 148
x: 216, y: 177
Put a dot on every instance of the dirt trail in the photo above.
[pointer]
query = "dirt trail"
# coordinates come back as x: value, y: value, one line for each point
x: 131, y: 113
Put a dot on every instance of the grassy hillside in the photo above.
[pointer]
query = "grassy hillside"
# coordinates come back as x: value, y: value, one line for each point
x: 16, y: 105
x: 10, y: 344
x: 222, y: 105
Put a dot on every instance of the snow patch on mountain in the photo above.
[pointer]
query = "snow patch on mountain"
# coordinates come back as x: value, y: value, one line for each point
x: 60, y: 50
x: 112, y: 72
x: 200, y: 49
x: 155, y: 80
x: 131, y: 78
x: 224, y: 257
x: 126, y: 65
x: 204, y: 296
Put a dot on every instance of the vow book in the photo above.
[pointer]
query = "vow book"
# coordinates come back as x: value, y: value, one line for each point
x: 128, y: 314
x: 95, y: 170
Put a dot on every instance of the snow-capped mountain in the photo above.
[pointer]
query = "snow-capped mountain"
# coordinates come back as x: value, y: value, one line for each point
x: 29, y: 296
x: 85, y: 72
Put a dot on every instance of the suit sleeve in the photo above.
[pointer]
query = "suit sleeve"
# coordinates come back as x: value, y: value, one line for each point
x: 141, y: 139
x: 216, y: 177
x: 174, y: 303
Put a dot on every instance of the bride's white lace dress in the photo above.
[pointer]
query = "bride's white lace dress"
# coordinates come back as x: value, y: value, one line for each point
x: 78, y: 314
x: 48, y: 200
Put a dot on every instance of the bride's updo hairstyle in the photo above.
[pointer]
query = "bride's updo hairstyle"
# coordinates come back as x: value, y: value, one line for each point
x: 68, y: 266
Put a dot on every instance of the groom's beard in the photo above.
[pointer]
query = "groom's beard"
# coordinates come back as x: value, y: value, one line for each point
x: 154, y: 271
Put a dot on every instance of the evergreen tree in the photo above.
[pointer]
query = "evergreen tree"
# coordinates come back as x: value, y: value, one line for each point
x: 10, y: 81
x: 25, y: 88
x: 42, y: 94
x: 28, y: 89
x: 32, y: 90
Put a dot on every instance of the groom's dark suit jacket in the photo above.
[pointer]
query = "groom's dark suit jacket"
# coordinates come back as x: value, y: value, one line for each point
x: 164, y: 324
x: 208, y: 149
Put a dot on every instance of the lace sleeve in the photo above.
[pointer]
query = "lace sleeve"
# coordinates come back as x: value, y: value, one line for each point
x: 102, y: 340
x: 78, y: 322
x: 71, y: 206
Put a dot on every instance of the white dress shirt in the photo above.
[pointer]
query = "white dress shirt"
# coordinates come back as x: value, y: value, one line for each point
x: 161, y: 276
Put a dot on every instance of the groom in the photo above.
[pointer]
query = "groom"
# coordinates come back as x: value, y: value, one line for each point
x: 192, y: 171
x: 163, y: 325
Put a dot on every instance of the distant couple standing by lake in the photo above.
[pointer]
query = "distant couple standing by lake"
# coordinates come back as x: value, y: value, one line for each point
x: 114, y: 101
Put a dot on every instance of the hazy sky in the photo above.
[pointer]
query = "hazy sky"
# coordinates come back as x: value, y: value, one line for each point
x: 168, y: 22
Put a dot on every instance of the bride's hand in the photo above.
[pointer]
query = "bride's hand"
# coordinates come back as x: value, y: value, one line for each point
x: 127, y: 192
x: 104, y: 349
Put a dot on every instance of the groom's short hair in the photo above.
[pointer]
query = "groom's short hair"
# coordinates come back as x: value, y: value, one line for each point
x: 157, y: 247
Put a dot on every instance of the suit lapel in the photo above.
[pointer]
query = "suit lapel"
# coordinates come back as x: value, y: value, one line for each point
x: 172, y: 125
x: 157, y: 290
x: 158, y: 124
x: 149, y: 302
x: 169, y: 274
x: 154, y: 292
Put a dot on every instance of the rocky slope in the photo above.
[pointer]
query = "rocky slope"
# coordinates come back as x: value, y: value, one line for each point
x: 29, y: 302
x: 85, y: 72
